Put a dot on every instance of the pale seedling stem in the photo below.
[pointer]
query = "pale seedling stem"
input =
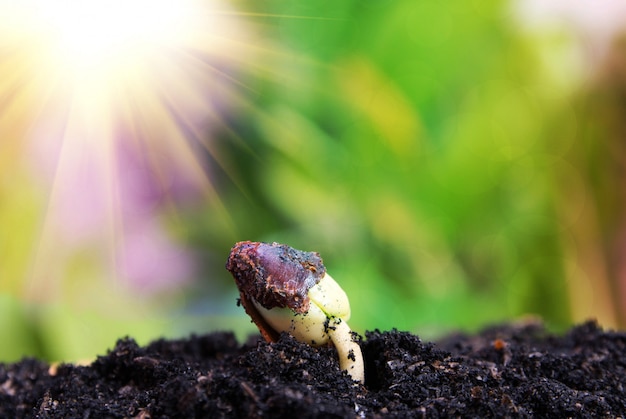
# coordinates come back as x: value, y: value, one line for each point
x: 350, y: 356
x: 325, y: 321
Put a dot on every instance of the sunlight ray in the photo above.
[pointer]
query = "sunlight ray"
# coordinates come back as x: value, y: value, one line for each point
x: 106, y: 97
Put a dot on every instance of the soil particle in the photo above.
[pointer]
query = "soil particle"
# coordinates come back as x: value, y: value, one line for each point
x: 504, y: 371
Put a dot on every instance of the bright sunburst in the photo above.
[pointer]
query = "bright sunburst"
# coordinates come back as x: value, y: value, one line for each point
x: 95, y: 90
x: 114, y: 61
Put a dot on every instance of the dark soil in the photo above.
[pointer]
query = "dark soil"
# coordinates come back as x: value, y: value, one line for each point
x: 505, y: 371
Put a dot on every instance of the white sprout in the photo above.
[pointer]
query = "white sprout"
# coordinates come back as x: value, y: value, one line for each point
x: 325, y: 321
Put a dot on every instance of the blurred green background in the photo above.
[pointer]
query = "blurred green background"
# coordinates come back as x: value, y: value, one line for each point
x: 455, y: 165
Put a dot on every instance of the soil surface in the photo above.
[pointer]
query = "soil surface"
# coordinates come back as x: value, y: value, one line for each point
x: 505, y: 371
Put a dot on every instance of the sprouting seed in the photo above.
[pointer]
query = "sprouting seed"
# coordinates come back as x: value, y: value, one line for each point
x: 287, y: 290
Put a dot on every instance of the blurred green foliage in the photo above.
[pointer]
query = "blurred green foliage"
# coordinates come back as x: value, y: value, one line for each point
x: 405, y: 142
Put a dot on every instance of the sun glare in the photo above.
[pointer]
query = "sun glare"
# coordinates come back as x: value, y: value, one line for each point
x: 93, y: 33
x: 87, y: 86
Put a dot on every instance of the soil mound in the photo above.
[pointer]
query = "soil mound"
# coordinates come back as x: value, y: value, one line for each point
x: 504, y: 371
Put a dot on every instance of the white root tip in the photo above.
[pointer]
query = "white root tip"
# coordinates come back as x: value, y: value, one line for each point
x: 349, y: 351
